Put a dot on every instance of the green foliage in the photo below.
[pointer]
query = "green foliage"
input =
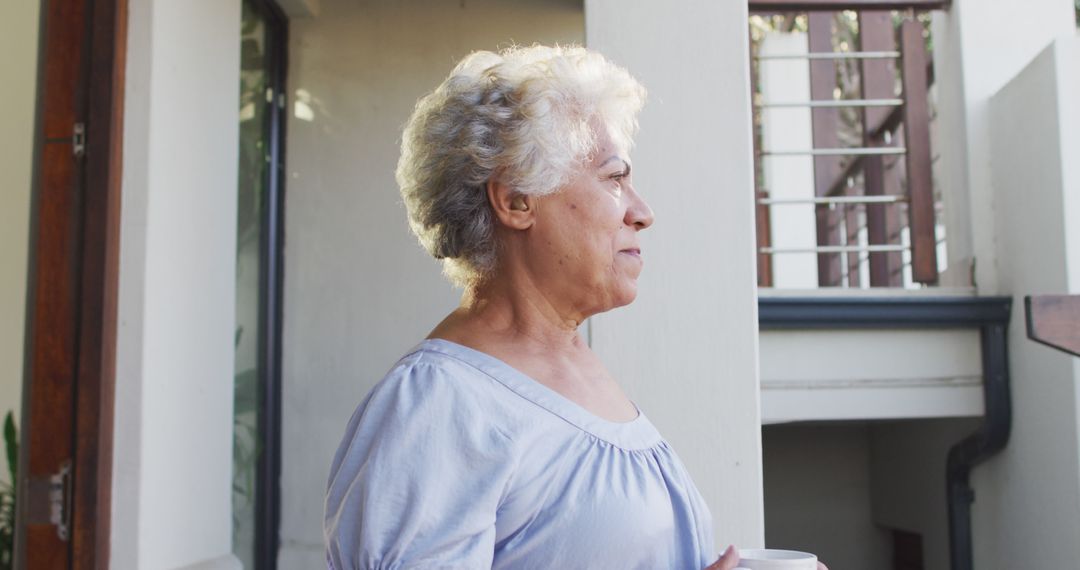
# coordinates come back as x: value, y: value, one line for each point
x: 7, y: 496
x: 246, y: 442
x: 247, y: 445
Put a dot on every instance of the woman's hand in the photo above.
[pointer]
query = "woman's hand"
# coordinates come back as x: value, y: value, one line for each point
x: 729, y: 560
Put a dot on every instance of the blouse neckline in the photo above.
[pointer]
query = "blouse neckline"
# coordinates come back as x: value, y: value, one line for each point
x: 635, y: 434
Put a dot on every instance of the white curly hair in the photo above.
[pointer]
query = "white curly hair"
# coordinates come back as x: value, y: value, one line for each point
x: 522, y: 114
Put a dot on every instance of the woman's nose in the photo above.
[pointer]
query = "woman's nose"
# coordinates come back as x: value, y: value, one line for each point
x: 639, y: 214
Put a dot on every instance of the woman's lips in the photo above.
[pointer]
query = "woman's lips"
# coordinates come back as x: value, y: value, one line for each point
x: 632, y: 251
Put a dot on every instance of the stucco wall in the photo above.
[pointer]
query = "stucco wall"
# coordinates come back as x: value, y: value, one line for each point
x: 839, y: 489
x: 1029, y: 494
x: 172, y: 468
x: 979, y: 46
x: 818, y: 494
x: 359, y: 291
x: 907, y: 481
x: 18, y: 88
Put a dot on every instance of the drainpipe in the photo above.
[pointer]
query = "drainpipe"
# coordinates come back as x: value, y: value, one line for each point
x: 976, y: 448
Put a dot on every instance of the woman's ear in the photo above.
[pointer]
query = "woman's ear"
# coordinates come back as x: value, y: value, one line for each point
x: 514, y: 210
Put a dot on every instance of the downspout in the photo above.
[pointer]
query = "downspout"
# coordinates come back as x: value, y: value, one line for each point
x: 976, y: 448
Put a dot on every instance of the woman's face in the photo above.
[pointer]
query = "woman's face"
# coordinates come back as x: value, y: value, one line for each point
x: 585, y: 239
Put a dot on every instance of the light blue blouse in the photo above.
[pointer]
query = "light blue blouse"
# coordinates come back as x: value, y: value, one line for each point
x: 457, y: 460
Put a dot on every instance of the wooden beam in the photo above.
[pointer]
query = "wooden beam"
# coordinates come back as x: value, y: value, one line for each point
x: 878, y: 78
x: 764, y: 239
x: 921, y: 215
x: 835, y: 5
x: 48, y: 419
x: 1054, y: 320
x: 100, y: 242
x: 888, y: 124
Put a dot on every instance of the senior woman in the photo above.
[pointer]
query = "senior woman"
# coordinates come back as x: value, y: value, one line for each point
x: 502, y: 441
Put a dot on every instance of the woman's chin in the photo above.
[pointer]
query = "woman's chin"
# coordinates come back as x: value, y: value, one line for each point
x: 626, y: 294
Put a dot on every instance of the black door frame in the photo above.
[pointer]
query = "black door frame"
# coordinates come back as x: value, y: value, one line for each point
x: 271, y: 277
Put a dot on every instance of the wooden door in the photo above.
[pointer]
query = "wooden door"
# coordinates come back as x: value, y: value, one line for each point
x: 65, y: 466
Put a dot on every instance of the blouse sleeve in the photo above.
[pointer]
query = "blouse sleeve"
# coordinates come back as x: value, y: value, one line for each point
x: 418, y: 477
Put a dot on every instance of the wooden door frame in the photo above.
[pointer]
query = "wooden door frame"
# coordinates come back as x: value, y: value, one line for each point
x: 98, y: 98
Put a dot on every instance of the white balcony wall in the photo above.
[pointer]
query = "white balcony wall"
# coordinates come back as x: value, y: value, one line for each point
x: 18, y: 66
x: 810, y: 375
x: 687, y: 348
x: 789, y: 177
x: 359, y: 290
x: 1028, y: 495
x: 172, y: 459
x: 979, y: 46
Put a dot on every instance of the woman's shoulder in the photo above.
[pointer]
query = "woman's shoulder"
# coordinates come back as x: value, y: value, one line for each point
x: 434, y: 371
x: 433, y: 384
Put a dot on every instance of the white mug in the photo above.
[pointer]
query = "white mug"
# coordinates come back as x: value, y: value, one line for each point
x: 773, y: 559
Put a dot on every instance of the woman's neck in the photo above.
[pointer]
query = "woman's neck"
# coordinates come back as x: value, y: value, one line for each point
x: 516, y: 312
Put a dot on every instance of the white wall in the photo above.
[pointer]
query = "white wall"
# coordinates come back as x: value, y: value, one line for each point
x: 817, y: 494
x: 359, y: 291
x: 18, y: 67
x: 907, y: 481
x: 687, y: 348
x: 809, y: 375
x: 979, y: 45
x: 838, y: 489
x: 1029, y: 494
x: 174, y: 385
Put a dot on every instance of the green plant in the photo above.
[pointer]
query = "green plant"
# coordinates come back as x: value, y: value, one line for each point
x: 7, y: 496
x: 246, y: 441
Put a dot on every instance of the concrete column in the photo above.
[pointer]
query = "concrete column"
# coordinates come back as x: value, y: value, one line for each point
x: 789, y: 177
x: 172, y: 465
x: 979, y: 45
x: 687, y: 348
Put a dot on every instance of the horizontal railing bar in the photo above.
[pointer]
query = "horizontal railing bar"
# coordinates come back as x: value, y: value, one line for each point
x: 832, y: 249
x: 833, y: 55
x: 850, y: 151
x: 835, y: 200
x: 836, y: 103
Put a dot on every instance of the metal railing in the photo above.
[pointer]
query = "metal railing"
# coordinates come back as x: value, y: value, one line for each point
x: 836, y: 55
x: 860, y: 226
x: 838, y: 103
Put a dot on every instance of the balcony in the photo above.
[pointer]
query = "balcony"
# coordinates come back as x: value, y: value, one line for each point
x: 844, y: 122
x: 850, y: 214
